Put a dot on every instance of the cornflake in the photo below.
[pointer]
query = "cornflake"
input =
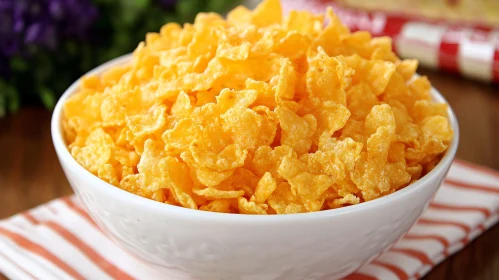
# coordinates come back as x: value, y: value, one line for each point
x: 259, y: 114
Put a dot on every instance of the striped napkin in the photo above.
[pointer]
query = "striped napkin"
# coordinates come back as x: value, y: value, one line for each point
x: 59, y: 240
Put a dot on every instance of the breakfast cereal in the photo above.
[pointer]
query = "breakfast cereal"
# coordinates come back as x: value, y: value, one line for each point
x: 259, y: 114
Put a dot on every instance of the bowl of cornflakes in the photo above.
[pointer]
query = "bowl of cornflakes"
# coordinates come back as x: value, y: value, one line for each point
x: 256, y: 146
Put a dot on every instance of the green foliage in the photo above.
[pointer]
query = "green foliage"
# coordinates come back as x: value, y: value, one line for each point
x: 121, y: 26
x: 9, y: 98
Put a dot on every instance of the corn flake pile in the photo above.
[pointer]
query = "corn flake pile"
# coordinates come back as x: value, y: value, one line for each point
x: 258, y: 114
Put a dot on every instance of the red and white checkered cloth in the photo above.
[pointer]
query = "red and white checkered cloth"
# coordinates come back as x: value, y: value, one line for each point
x: 472, y: 51
x: 59, y: 240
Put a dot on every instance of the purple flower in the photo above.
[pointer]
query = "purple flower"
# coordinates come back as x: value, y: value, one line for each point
x: 25, y: 24
x: 33, y: 33
x: 56, y: 9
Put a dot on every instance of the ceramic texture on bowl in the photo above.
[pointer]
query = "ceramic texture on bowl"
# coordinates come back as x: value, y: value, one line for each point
x: 193, y: 244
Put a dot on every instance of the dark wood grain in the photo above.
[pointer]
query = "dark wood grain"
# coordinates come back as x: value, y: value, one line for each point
x: 30, y: 173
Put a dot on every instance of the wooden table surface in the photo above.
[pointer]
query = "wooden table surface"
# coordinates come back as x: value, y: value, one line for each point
x: 30, y: 173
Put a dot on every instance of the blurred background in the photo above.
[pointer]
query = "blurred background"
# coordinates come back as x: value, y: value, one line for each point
x: 45, y: 45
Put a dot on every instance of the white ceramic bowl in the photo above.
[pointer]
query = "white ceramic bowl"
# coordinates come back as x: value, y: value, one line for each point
x: 192, y: 244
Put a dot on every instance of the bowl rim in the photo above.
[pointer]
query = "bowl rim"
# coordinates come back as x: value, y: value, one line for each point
x: 65, y: 157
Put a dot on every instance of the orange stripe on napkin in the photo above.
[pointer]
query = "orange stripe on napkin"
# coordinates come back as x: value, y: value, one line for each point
x: 422, y: 257
x: 107, y: 267
x: 393, y: 268
x: 478, y: 168
x: 440, y: 206
x: 30, y: 217
x: 476, y: 187
x: 39, y: 250
x: 425, y: 221
x: 433, y: 237
x: 91, y: 254
x: 359, y: 276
